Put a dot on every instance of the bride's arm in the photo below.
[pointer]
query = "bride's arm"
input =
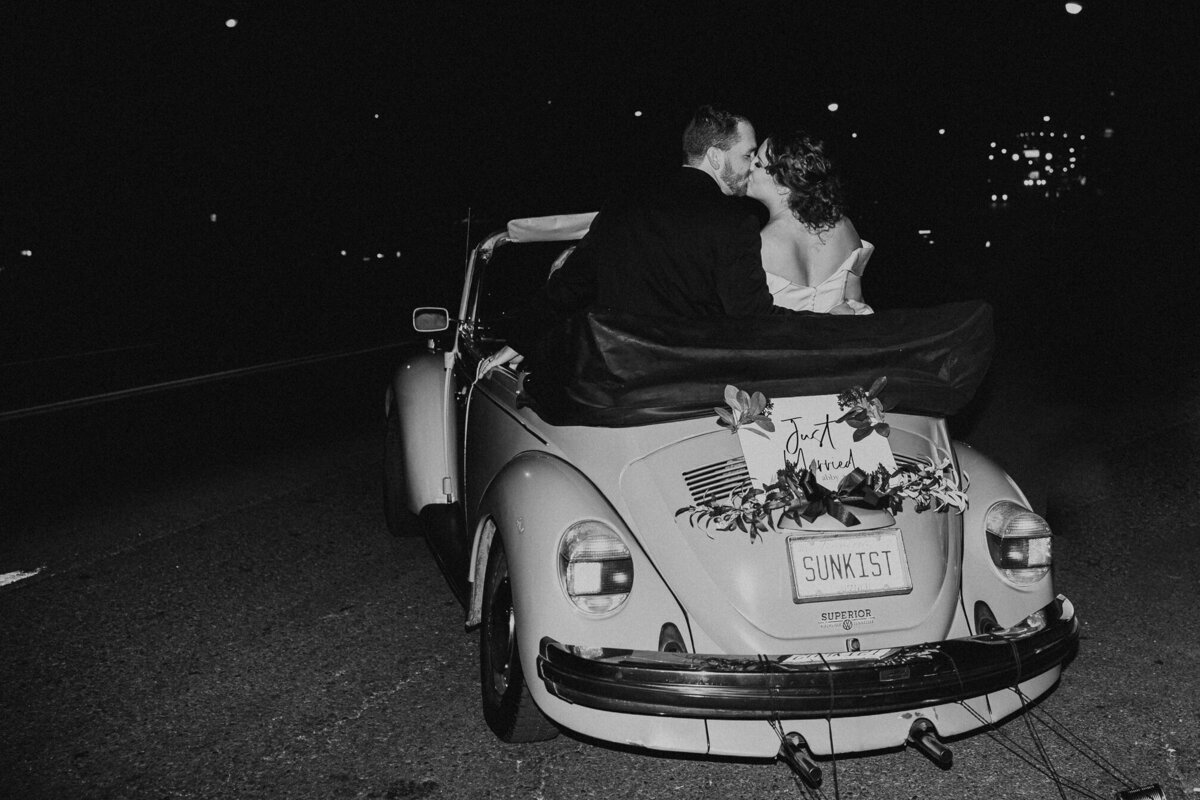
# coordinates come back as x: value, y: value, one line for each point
x: 853, y: 287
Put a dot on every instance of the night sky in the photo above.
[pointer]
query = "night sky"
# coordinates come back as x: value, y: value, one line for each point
x: 370, y: 127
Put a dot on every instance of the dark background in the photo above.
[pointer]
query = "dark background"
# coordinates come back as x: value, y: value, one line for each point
x: 376, y: 128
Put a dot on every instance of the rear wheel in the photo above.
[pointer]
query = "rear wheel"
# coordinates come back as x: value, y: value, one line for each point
x: 507, y: 705
x: 400, y: 521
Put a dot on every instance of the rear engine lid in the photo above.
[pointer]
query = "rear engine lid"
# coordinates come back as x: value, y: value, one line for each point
x: 801, y: 587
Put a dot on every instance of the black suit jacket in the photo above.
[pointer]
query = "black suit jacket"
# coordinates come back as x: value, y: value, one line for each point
x: 679, y: 249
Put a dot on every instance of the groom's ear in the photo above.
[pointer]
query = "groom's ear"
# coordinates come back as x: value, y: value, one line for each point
x: 715, y: 157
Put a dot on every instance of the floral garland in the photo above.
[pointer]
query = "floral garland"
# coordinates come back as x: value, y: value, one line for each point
x: 797, y: 495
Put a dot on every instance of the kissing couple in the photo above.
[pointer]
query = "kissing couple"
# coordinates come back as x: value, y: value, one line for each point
x: 685, y: 247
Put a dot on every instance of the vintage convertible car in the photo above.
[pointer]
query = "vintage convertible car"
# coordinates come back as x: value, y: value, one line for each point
x: 633, y: 582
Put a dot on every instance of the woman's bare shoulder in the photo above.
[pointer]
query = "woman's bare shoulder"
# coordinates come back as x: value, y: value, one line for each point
x: 779, y: 253
x: 845, y: 235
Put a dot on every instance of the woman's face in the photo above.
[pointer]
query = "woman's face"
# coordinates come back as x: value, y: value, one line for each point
x: 761, y: 183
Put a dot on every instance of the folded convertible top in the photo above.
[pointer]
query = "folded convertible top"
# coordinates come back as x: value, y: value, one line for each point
x: 603, y: 368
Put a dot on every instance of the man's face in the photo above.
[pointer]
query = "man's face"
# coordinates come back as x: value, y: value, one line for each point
x: 739, y: 160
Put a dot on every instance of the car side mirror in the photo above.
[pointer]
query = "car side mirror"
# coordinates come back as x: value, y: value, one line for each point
x: 430, y: 319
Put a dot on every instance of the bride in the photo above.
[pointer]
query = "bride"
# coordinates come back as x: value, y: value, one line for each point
x: 810, y: 249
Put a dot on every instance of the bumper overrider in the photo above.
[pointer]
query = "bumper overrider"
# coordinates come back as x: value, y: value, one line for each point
x: 804, y: 686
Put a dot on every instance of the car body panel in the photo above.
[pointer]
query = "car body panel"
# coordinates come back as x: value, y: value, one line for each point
x: 422, y: 391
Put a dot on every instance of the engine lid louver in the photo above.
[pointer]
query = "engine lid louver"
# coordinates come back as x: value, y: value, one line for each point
x: 717, y: 480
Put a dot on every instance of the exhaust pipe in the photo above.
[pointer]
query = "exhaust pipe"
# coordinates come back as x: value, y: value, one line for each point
x: 793, y: 751
x: 924, y: 737
x: 1152, y: 792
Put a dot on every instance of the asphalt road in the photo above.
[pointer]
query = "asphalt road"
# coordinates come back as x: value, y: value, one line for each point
x: 220, y: 612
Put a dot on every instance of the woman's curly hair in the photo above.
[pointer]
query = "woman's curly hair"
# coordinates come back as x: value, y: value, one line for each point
x: 798, y: 161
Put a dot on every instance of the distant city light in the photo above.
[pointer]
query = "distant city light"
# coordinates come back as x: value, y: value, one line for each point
x: 988, y: 243
x: 376, y: 116
x: 993, y: 144
x: 212, y: 217
x: 854, y: 135
x: 637, y: 113
x: 1003, y: 151
x: 397, y: 254
x: 231, y: 23
x: 1049, y: 156
x: 1004, y: 197
x: 1016, y: 157
x: 991, y: 158
x: 833, y: 106
x: 1046, y: 118
x: 379, y: 255
x: 343, y: 252
x: 1108, y: 133
x: 941, y: 131
x: 1073, y: 8
x: 27, y: 253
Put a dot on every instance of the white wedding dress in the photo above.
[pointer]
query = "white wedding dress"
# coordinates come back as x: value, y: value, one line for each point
x: 828, y: 293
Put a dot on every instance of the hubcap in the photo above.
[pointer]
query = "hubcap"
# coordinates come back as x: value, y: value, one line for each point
x: 500, y: 635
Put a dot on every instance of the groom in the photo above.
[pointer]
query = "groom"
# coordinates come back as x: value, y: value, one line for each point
x: 683, y: 248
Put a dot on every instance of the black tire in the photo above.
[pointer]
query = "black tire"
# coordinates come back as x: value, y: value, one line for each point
x: 400, y: 521
x: 507, y: 706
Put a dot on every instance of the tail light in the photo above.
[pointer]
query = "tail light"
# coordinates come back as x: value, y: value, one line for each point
x: 1019, y: 542
x: 595, y: 567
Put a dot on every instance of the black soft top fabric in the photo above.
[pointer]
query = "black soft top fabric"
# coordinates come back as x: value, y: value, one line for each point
x: 609, y: 369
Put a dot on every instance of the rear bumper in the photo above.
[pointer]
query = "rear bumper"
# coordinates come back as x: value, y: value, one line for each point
x: 798, y: 687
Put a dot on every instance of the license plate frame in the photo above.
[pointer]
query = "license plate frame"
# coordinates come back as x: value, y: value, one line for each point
x: 850, y: 548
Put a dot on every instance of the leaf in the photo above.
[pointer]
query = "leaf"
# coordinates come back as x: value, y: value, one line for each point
x: 861, y: 434
x: 758, y: 402
x: 743, y: 399
x: 765, y: 423
x: 731, y: 397
x: 857, y: 422
x: 726, y: 417
x: 883, y: 429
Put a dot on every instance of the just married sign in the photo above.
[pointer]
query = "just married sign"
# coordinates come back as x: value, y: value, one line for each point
x: 808, y: 434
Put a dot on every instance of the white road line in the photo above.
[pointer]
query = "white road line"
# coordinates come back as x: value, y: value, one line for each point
x: 13, y: 577
x: 185, y: 382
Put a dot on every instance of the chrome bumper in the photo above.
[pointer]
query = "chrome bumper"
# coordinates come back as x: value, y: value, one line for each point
x: 789, y: 687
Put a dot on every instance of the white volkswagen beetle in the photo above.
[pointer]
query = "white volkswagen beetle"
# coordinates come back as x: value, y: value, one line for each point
x: 597, y: 509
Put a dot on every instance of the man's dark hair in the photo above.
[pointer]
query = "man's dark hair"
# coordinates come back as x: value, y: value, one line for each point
x: 709, y: 127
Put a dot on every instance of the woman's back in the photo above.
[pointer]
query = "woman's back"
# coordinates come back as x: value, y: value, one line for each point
x: 791, y: 251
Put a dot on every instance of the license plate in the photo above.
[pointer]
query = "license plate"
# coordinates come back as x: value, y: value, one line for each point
x: 841, y: 566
